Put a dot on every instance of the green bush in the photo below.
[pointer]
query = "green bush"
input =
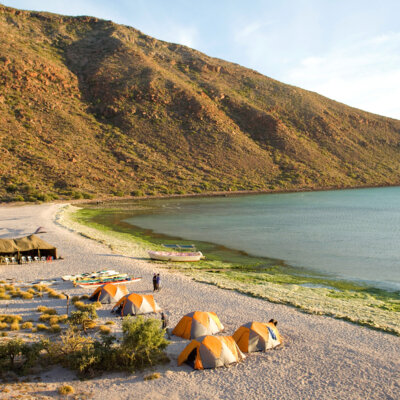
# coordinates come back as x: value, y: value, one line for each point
x: 82, y: 319
x: 47, y: 310
x: 88, y: 308
x: 17, y: 356
x: 143, y: 342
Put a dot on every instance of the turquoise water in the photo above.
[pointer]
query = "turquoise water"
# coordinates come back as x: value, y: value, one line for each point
x: 346, y: 234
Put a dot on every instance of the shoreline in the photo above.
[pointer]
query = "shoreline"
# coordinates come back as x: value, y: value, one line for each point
x: 348, y: 301
x: 322, y: 357
x: 111, y: 199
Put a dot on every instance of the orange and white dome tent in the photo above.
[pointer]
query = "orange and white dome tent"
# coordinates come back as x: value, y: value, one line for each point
x: 257, y: 336
x: 198, y: 323
x: 135, y: 304
x: 211, y: 352
x: 109, y: 293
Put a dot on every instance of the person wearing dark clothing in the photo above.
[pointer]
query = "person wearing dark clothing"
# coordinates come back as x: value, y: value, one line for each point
x: 164, y: 320
x: 158, y: 279
x: 154, y: 282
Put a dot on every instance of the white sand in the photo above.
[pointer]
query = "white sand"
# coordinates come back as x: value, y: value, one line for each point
x: 322, y: 358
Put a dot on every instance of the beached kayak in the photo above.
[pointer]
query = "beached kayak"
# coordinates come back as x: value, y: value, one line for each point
x: 101, y: 278
x: 97, y: 274
x: 116, y: 282
x: 176, y: 256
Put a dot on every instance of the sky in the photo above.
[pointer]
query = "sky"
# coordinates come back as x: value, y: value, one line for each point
x: 347, y: 50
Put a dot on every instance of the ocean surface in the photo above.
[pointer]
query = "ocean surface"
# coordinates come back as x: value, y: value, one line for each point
x: 346, y: 234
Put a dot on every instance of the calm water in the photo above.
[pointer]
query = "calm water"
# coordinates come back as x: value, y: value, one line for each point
x: 350, y: 234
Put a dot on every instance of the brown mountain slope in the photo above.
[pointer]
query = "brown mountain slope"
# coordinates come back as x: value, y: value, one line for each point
x: 90, y: 108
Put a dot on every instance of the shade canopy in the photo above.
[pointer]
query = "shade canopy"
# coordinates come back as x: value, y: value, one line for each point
x: 27, y: 245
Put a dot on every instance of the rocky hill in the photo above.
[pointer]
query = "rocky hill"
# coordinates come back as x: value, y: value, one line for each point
x: 90, y: 108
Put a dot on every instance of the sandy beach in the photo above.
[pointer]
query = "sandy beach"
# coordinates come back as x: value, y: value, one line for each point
x: 322, y: 358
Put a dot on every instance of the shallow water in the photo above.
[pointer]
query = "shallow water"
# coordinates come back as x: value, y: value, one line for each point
x: 347, y: 234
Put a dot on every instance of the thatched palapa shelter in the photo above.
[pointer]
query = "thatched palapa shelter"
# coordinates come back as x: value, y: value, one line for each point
x: 26, y: 246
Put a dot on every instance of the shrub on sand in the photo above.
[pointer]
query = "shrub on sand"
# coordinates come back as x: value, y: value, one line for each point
x: 143, y: 339
x: 27, y: 325
x: 55, y: 295
x: 97, y: 304
x: 55, y: 328
x: 53, y: 320
x: 27, y: 295
x: 104, y: 330
x: 62, y: 318
x: 65, y: 390
x: 89, y: 308
x: 41, y: 327
x: 15, y: 326
x: 110, y: 323
x: 47, y: 310
x: 3, y: 325
x: 151, y: 377
x: 18, y: 356
x: 9, y: 318
x: 80, y: 305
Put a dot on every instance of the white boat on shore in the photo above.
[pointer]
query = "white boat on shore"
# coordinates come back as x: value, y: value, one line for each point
x: 176, y: 256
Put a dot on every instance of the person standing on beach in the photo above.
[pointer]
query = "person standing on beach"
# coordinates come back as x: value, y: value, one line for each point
x: 154, y: 282
x: 164, y: 320
x: 158, y: 280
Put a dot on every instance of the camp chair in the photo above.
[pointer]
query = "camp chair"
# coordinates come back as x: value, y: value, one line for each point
x: 43, y: 258
x: 13, y: 260
x: 23, y: 260
x: 36, y: 258
x: 6, y: 260
x: 30, y: 259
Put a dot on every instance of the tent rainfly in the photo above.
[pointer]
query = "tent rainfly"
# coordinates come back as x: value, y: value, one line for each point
x: 135, y: 304
x: 198, y: 323
x: 257, y: 336
x: 211, y: 352
x: 109, y: 293
x: 26, y: 246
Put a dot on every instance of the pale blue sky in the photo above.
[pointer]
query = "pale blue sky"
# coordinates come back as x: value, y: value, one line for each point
x: 348, y: 50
